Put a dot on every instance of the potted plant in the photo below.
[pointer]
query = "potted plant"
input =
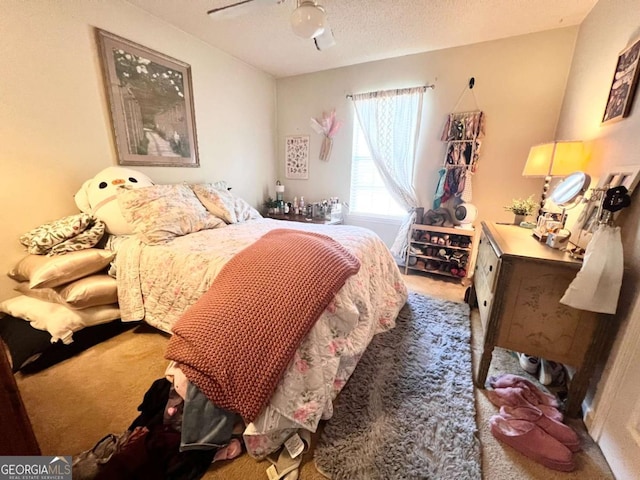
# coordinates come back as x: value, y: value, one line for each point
x: 271, y: 205
x: 521, y: 209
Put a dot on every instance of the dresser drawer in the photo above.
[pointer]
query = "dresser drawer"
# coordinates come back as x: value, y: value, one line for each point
x: 488, y: 262
x: 485, y: 298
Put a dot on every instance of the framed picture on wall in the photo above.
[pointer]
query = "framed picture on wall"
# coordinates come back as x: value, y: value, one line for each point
x: 625, y: 80
x: 297, y: 156
x: 151, y: 102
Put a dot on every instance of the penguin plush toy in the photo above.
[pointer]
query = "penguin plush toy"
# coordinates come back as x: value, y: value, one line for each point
x: 98, y: 196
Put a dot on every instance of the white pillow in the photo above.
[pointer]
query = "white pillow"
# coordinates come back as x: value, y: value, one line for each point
x: 87, y: 292
x: 42, y: 271
x: 244, y: 211
x: 58, y: 320
x: 163, y: 212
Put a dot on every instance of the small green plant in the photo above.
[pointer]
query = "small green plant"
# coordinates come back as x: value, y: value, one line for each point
x: 522, y: 207
x: 270, y: 203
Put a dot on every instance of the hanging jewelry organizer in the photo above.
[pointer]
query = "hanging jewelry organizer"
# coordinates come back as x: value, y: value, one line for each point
x: 463, y: 133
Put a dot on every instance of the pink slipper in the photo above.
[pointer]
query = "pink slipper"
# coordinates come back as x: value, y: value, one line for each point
x: 515, y: 397
x: 510, y: 380
x: 530, y: 440
x: 561, y: 432
x: 229, y: 452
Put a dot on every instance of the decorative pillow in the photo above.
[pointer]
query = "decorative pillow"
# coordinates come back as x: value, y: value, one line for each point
x: 58, y: 320
x: 87, y: 292
x: 41, y: 271
x: 244, y: 211
x: 218, y: 202
x: 68, y: 234
x: 163, y: 212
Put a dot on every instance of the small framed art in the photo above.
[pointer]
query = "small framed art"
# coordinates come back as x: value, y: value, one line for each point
x: 151, y: 102
x: 625, y: 80
x: 297, y: 156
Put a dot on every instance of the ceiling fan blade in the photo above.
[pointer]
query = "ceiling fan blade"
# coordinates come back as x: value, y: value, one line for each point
x: 325, y: 39
x: 237, y: 8
x: 226, y: 7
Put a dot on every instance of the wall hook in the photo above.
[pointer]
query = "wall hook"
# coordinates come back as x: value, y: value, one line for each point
x: 472, y: 82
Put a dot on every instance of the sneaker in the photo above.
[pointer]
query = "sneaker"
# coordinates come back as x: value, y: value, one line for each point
x: 551, y: 373
x: 528, y: 363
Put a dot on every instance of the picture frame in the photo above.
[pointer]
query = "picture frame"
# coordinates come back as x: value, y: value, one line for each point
x: 297, y: 157
x: 623, y: 85
x: 150, y: 98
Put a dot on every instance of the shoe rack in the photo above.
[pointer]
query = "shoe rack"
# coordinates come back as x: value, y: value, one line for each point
x: 441, y: 251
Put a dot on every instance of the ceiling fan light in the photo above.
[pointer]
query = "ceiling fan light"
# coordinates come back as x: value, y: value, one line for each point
x: 308, y: 20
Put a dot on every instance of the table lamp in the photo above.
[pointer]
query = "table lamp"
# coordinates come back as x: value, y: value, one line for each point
x: 554, y: 159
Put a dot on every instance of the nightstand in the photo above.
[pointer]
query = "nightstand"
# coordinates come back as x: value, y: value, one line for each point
x: 16, y: 434
x: 518, y: 284
x: 303, y: 219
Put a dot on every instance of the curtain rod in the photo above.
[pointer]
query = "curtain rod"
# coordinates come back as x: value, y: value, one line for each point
x: 396, y: 90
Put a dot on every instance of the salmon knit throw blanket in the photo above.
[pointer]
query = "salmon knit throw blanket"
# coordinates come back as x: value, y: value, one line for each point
x: 236, y: 341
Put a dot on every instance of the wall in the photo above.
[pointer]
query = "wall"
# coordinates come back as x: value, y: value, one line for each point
x: 55, y: 129
x: 520, y: 82
x: 611, y: 27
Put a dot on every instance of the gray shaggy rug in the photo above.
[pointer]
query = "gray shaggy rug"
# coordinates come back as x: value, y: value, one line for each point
x: 408, y: 411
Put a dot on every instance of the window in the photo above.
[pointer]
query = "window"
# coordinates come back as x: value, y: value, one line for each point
x: 369, y: 196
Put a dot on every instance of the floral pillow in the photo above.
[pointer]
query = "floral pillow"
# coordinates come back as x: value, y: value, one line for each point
x: 222, y: 204
x: 219, y: 202
x: 162, y: 212
x: 68, y: 234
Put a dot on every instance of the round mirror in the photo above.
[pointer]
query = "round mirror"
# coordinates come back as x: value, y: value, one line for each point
x: 570, y: 188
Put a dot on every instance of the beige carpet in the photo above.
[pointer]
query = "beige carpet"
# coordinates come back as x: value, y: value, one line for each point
x: 75, y: 403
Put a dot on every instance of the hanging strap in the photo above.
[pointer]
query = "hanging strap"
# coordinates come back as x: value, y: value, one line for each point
x: 469, y: 87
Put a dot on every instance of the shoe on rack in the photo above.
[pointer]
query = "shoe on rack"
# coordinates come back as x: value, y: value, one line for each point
x: 528, y: 363
x: 532, y: 441
x: 551, y: 373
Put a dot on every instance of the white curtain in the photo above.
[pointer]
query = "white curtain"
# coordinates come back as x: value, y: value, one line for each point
x: 390, y: 121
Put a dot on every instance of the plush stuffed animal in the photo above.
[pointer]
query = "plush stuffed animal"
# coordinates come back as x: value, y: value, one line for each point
x: 97, y: 196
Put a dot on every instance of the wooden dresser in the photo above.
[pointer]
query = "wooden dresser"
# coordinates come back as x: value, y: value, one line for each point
x: 518, y: 284
x: 16, y: 434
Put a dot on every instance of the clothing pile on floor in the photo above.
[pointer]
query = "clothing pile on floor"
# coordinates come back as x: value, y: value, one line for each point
x: 530, y: 422
x: 176, y: 436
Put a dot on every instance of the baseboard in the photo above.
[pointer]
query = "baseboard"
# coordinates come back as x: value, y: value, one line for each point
x: 587, y: 416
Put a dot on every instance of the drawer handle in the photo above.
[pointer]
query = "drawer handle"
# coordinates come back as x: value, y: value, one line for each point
x: 491, y: 268
x: 484, y: 303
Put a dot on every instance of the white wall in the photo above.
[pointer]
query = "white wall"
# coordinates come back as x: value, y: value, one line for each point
x: 519, y: 85
x: 55, y: 130
x: 611, y: 27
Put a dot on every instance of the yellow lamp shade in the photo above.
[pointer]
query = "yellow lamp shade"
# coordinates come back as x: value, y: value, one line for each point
x: 555, y: 159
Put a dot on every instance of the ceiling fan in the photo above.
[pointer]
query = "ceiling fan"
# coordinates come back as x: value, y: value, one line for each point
x: 308, y: 20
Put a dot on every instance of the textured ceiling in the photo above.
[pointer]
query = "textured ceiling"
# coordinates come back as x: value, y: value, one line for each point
x: 365, y: 30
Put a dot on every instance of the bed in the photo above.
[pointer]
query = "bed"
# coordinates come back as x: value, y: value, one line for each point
x: 159, y: 281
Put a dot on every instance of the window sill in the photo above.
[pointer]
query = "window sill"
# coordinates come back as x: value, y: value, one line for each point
x: 370, y: 218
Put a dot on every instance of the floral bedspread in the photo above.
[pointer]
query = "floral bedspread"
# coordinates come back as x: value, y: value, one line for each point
x: 156, y: 283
